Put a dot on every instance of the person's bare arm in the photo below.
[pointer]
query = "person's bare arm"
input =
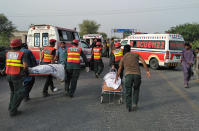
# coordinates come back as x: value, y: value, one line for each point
x: 145, y: 66
x: 119, y: 70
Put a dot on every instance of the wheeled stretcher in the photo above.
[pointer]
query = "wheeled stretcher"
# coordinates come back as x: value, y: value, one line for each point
x: 111, y: 91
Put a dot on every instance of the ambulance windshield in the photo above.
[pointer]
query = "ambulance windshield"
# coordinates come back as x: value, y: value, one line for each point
x: 176, y: 45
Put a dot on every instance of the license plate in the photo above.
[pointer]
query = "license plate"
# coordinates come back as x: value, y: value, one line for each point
x: 178, y: 57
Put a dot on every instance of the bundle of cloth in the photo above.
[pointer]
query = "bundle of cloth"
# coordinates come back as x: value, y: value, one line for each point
x: 109, y: 78
x: 56, y: 70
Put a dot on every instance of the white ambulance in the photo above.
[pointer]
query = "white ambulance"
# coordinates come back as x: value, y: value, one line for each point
x: 157, y: 49
x: 39, y: 35
x: 90, y: 37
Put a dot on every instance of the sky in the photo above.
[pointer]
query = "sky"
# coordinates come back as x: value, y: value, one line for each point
x: 144, y: 15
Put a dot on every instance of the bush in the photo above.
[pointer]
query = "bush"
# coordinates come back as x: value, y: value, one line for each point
x: 195, y: 44
x: 4, y: 40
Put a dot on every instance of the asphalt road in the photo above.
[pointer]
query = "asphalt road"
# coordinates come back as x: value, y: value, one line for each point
x: 164, y: 106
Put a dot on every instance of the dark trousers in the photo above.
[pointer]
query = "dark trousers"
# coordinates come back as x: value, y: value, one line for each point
x: 71, y: 80
x: 28, y: 84
x: 49, y: 82
x: 117, y: 67
x: 98, y: 66
x: 187, y: 71
x: 107, y: 52
x: 132, y: 80
x: 17, y: 92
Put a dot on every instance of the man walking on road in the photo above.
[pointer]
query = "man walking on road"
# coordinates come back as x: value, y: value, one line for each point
x: 48, y: 58
x: 61, y: 54
x: 28, y: 80
x: 130, y: 63
x: 16, y: 67
x: 73, y: 67
x: 97, y: 56
x: 187, y: 62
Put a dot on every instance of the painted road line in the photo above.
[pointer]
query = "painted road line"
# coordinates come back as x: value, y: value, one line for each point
x: 180, y: 92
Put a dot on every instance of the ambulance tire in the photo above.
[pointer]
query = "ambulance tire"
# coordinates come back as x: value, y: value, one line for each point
x: 172, y: 67
x: 154, y: 64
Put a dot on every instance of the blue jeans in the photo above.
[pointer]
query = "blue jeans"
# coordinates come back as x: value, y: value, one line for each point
x: 28, y: 84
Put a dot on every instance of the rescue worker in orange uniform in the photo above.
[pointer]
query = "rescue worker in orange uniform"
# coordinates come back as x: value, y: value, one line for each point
x: 16, y: 68
x: 73, y: 67
x: 49, y: 53
x: 97, y: 56
x: 116, y: 56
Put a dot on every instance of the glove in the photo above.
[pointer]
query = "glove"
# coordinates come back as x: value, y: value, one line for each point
x: 87, y: 69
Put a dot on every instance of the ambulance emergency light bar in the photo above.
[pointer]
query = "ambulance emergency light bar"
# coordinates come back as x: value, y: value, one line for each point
x: 155, y: 36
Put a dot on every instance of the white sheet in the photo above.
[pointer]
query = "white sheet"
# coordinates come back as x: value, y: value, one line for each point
x: 56, y: 70
x: 109, y: 78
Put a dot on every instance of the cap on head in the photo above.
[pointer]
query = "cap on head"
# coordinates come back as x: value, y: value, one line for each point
x: 15, y: 43
x: 52, y: 40
x: 98, y: 44
x: 75, y: 42
x: 117, y: 44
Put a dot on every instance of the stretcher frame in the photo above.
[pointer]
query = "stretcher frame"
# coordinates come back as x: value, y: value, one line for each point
x: 36, y: 74
x: 111, y: 91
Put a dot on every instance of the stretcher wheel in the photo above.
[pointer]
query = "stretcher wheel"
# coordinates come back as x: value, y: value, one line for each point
x: 101, y: 99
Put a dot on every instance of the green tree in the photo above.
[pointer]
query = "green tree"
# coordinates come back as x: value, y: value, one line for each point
x: 6, y: 29
x: 104, y: 35
x: 190, y: 32
x: 195, y: 44
x: 88, y: 27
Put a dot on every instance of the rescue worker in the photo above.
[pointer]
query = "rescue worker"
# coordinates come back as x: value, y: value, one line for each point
x: 97, y: 56
x: 187, y: 63
x: 116, y: 56
x: 28, y: 80
x: 73, y: 67
x: 49, y: 53
x: 16, y: 67
x: 130, y: 63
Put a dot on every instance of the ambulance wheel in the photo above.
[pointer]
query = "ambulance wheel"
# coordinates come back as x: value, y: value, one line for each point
x: 154, y: 64
x: 101, y: 99
x: 172, y: 67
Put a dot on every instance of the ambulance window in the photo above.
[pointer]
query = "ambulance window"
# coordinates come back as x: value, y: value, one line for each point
x: 37, y: 39
x: 60, y: 35
x: 45, y: 39
x: 65, y: 36
x: 70, y: 36
x: 123, y: 43
x: 76, y: 36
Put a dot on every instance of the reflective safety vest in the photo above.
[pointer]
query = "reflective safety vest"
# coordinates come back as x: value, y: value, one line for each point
x: 47, y: 52
x: 14, y: 62
x: 73, y: 54
x: 118, y: 53
x: 97, y: 53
